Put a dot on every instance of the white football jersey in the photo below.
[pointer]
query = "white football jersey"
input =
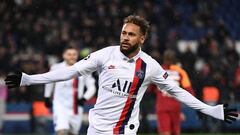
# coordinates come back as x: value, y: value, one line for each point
x: 122, y: 84
x: 66, y: 93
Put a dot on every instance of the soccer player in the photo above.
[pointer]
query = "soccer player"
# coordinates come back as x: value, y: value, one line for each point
x: 168, y: 109
x: 125, y: 72
x: 69, y: 96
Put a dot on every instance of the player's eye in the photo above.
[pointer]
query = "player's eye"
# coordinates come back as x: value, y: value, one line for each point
x: 131, y: 34
x: 124, y: 33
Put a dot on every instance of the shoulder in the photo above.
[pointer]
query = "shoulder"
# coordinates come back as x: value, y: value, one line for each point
x: 153, y: 66
x: 102, y: 52
x: 149, y: 60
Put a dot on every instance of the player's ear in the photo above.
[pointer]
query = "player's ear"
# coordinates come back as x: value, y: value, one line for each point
x: 64, y: 55
x: 142, y: 39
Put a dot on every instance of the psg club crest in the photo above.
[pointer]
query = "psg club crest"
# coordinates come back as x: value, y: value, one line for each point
x: 140, y: 74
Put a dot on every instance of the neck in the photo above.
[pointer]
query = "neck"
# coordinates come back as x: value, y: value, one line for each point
x: 68, y: 64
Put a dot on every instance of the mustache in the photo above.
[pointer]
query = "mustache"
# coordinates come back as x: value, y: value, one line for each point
x: 125, y: 43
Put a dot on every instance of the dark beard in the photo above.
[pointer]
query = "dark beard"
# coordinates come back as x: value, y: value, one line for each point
x: 129, y: 50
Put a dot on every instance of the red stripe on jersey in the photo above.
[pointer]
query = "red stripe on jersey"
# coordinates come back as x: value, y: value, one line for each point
x: 129, y: 100
x: 75, y: 95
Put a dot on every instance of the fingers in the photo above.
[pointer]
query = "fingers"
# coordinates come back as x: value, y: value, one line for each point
x: 232, y: 114
x: 10, y: 80
x: 231, y: 110
x: 10, y: 86
x: 231, y: 118
x: 11, y: 77
x: 228, y: 121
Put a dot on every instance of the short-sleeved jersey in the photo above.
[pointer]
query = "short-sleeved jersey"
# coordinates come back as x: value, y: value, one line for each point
x: 122, y: 84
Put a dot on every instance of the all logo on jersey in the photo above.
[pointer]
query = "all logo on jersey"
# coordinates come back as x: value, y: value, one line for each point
x: 125, y: 88
x: 120, y: 88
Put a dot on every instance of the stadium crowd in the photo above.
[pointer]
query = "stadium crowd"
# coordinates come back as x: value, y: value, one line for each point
x: 33, y: 34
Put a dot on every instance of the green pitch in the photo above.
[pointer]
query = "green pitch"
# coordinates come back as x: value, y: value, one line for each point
x: 154, y: 134
x: 201, y: 134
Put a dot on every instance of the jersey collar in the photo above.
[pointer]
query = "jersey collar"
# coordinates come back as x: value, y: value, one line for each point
x: 133, y: 59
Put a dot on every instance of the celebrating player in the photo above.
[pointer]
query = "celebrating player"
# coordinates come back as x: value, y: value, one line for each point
x: 125, y: 72
x: 168, y: 109
x: 69, y: 96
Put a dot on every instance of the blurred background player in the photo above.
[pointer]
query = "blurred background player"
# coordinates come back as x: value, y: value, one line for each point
x: 168, y: 109
x: 69, y: 96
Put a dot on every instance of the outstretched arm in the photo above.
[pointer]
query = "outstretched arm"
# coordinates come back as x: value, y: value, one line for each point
x: 219, y: 112
x: 82, y: 67
x: 21, y: 79
x: 52, y: 76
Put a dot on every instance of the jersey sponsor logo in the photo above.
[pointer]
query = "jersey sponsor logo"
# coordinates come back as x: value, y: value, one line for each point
x: 120, y: 88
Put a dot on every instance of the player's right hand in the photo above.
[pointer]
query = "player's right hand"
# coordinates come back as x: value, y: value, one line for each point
x: 48, y: 102
x: 13, y: 80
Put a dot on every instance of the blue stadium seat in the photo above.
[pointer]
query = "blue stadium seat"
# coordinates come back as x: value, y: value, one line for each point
x: 21, y: 122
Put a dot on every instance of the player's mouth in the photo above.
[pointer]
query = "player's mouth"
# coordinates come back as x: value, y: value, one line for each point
x: 125, y: 45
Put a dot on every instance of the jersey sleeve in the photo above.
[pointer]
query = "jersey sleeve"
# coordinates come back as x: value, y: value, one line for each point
x: 49, y: 87
x: 62, y: 74
x: 159, y: 77
x: 83, y: 67
x: 90, y: 63
x: 91, y: 88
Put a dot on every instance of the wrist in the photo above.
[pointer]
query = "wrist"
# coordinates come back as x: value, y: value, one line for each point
x: 25, y: 80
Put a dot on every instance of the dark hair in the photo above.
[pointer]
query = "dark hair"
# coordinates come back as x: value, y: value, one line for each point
x: 69, y: 47
x: 140, y: 21
x: 169, y: 56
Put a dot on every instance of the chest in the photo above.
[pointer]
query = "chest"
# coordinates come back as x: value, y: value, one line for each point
x: 117, y: 72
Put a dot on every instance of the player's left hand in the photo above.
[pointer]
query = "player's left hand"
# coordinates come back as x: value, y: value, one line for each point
x: 13, y: 80
x: 230, y: 115
x: 81, y: 101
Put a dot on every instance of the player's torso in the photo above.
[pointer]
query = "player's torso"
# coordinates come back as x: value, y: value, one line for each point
x: 116, y: 85
x: 64, y: 91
